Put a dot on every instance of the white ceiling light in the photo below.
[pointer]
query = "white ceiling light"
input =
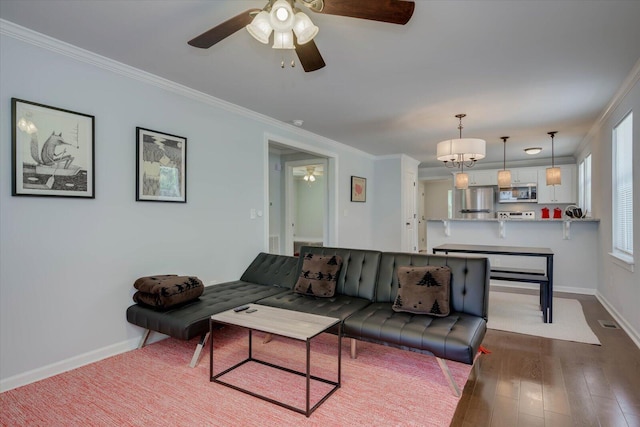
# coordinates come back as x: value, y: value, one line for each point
x: 461, y: 152
x: 553, y: 173
x: 533, y: 150
x: 283, y: 22
x: 504, y: 176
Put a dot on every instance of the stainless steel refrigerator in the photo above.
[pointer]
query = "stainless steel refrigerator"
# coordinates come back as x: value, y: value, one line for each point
x: 475, y: 202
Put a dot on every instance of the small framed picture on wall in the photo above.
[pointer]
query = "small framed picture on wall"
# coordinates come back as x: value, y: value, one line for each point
x: 161, y: 167
x: 358, y: 189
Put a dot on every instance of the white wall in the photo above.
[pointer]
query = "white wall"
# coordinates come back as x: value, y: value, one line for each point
x: 67, y: 265
x: 275, y: 195
x: 310, y: 207
x: 618, y: 287
x: 388, y: 203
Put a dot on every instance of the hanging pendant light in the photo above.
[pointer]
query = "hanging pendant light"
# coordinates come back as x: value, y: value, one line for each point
x: 504, y: 176
x: 462, y: 179
x: 459, y: 153
x: 553, y: 173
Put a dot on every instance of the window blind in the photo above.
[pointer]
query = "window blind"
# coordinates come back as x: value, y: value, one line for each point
x: 623, y: 187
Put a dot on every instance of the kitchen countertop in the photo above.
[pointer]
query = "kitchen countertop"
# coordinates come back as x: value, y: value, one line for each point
x: 516, y: 220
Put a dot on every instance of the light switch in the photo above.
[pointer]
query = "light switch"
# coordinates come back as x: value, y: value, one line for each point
x: 252, y: 214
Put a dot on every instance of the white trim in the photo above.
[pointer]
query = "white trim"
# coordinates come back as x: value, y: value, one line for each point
x: 26, y: 35
x: 626, y: 326
x: 73, y: 363
x: 625, y: 88
x: 622, y: 260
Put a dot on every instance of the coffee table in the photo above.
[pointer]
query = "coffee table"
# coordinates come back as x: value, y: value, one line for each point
x: 286, y: 323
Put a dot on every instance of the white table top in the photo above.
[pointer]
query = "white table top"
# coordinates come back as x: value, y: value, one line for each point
x: 278, y: 321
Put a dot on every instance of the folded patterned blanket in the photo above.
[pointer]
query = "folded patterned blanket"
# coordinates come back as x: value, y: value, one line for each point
x: 166, y: 291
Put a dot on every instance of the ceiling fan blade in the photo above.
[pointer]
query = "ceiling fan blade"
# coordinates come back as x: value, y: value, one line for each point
x: 309, y: 56
x: 224, y: 30
x: 392, y: 11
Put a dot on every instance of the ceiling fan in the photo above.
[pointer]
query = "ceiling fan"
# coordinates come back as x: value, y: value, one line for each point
x: 391, y: 11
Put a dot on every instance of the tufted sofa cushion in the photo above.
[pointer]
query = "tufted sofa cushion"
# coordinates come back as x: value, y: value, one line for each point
x: 469, y: 279
x: 359, y: 270
x: 269, y: 269
x: 455, y: 337
x: 355, y: 288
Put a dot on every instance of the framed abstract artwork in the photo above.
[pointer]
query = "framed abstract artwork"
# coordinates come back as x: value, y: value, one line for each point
x: 52, y: 151
x: 358, y: 189
x: 161, y: 167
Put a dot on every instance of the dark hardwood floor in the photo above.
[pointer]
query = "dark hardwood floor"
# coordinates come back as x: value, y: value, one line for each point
x: 534, y: 381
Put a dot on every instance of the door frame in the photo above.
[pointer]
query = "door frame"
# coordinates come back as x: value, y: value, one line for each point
x: 290, y: 198
x: 331, y: 213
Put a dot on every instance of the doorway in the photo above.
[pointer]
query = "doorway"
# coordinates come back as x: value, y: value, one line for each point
x: 305, y: 198
x: 301, y: 212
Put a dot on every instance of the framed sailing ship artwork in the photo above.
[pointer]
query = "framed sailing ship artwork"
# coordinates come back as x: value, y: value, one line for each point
x: 161, y: 167
x: 52, y: 151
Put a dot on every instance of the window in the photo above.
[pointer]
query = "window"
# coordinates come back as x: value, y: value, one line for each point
x: 584, y: 185
x: 623, y: 190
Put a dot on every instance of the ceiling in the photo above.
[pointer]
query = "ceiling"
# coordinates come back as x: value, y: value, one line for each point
x: 519, y: 68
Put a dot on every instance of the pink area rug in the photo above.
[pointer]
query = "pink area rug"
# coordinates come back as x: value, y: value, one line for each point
x: 155, y: 387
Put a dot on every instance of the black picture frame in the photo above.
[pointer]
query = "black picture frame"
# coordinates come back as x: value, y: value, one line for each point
x: 358, y: 189
x: 161, y: 167
x: 52, y: 151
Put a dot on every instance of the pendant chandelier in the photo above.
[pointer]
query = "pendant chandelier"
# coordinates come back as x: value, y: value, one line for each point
x: 504, y: 176
x: 461, y: 152
x: 553, y: 173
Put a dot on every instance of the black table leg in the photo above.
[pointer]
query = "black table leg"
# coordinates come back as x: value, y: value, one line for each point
x: 550, y: 289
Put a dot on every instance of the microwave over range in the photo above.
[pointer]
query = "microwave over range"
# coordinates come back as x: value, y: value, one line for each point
x: 523, y: 194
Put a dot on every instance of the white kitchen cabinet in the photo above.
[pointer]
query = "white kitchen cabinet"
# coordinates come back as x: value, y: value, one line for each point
x: 485, y: 177
x: 524, y: 176
x: 563, y: 193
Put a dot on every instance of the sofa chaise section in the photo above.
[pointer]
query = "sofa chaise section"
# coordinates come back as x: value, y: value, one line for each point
x: 455, y: 337
x: 267, y: 275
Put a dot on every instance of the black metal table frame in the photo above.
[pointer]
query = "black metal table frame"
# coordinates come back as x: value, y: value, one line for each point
x: 510, y: 250
x: 309, y: 409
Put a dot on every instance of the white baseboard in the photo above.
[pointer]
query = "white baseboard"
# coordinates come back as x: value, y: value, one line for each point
x: 633, y: 334
x: 567, y: 289
x: 73, y: 363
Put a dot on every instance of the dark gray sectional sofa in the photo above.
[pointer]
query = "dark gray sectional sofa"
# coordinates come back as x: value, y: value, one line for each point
x: 365, y: 292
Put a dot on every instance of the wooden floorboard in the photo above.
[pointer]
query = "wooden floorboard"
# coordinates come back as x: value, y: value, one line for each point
x: 534, y: 381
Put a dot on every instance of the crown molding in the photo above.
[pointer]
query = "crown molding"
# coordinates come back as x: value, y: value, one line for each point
x: 18, y: 32
x: 623, y: 91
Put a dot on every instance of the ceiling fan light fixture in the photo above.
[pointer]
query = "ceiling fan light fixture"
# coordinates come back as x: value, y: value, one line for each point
x: 260, y: 28
x: 283, y: 40
x: 281, y: 16
x: 304, y: 29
